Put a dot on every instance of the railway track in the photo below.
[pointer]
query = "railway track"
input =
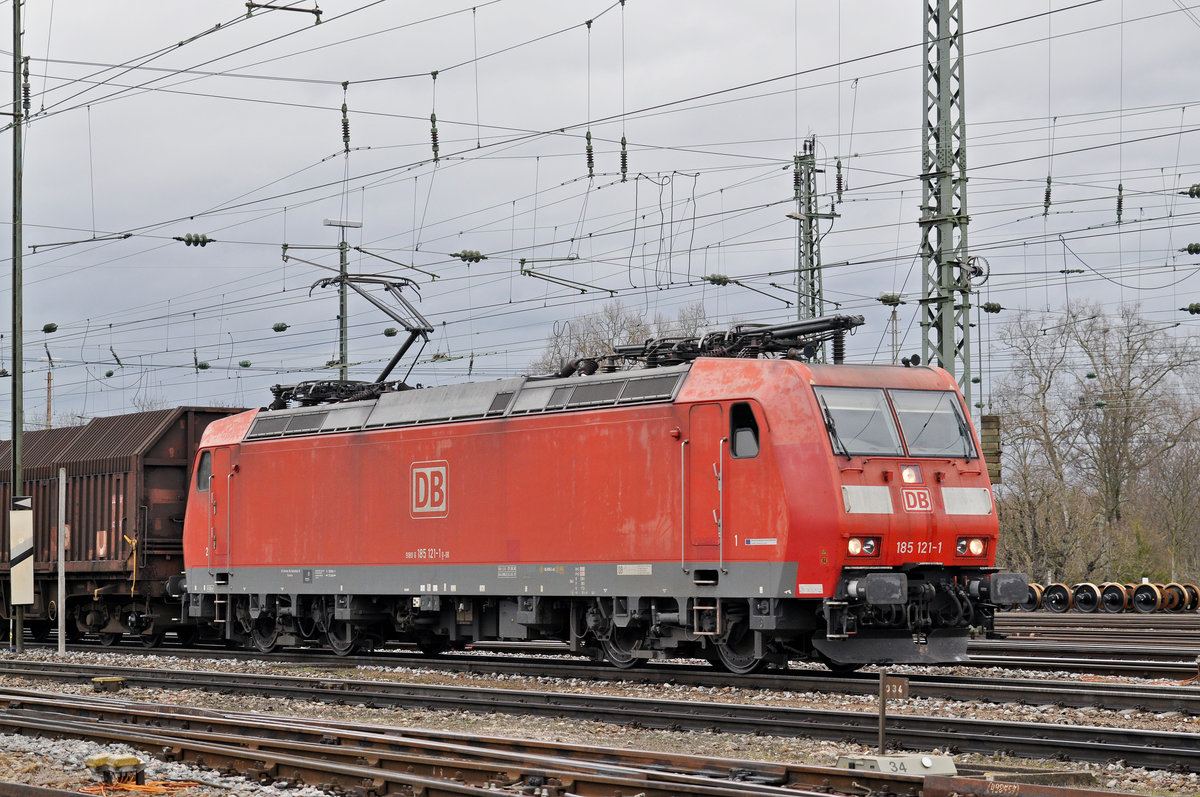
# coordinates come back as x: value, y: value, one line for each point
x: 1181, y: 628
x: 1029, y: 650
x: 1144, y: 748
x: 385, y: 760
x: 1180, y: 696
x: 1151, y: 646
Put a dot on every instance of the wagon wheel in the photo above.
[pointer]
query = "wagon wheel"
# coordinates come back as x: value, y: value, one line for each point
x: 151, y: 640
x: 1114, y: 598
x: 1147, y: 598
x: 109, y: 639
x: 735, y: 653
x: 187, y: 636
x: 1033, y: 599
x: 1175, y: 597
x: 620, y: 646
x: 1086, y: 597
x: 342, y: 637
x: 1193, y: 593
x: 39, y: 630
x: 1057, y: 598
x: 265, y: 633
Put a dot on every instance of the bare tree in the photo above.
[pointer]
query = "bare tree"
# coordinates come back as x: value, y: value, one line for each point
x: 1091, y: 404
x: 596, y: 334
x: 1169, y: 496
x: 1134, y: 417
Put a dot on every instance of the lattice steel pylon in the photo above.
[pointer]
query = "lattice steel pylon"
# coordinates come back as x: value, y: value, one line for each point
x: 810, y: 294
x: 946, y: 279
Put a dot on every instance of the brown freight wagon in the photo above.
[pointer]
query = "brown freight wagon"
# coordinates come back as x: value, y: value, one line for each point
x: 127, y: 478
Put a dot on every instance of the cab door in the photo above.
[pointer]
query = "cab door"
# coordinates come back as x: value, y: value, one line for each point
x: 219, y: 510
x: 705, y: 471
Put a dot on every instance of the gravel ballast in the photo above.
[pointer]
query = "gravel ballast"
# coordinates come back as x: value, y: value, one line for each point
x: 59, y: 764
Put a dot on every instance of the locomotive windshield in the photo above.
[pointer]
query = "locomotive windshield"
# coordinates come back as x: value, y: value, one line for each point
x: 932, y: 423
x: 860, y: 422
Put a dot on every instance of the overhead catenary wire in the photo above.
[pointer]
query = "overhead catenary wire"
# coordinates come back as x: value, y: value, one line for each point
x: 670, y: 207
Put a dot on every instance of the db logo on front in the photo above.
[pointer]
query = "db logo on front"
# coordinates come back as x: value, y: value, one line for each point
x: 429, y: 487
x: 916, y: 499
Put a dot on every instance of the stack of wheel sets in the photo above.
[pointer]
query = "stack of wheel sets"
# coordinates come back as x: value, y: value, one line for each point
x: 1113, y: 597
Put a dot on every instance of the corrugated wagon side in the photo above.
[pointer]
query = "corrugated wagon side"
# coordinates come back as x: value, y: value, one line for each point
x: 127, y: 480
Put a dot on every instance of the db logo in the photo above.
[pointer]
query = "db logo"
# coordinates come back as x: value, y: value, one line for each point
x: 916, y: 499
x: 429, y: 487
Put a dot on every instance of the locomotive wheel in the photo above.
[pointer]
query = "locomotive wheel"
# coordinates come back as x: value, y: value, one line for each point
x: 108, y: 640
x: 151, y: 640
x: 736, y: 653
x: 342, y: 637
x: 740, y: 662
x: 265, y: 633
x: 619, y: 648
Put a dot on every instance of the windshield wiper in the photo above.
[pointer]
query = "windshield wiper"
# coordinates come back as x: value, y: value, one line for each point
x: 831, y: 427
x: 965, y: 434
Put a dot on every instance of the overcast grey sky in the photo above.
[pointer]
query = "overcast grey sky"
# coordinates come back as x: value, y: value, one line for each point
x: 162, y: 119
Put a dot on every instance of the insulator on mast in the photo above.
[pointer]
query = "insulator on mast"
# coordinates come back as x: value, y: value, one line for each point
x: 624, y: 153
x: 433, y: 135
x: 591, y: 158
x: 1046, y: 200
x: 25, y: 84
x: 796, y: 178
x: 345, y: 128
x: 1120, y: 200
x: 839, y: 183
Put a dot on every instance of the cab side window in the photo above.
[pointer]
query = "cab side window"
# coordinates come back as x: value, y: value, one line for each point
x: 204, y: 472
x: 743, y: 431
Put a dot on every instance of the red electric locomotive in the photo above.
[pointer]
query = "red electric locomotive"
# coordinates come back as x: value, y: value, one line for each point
x: 749, y: 510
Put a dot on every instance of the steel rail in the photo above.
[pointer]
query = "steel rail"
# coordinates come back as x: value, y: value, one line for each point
x: 1111, y: 696
x: 233, y: 754
x: 1145, y: 748
x: 481, y: 762
x: 1089, y: 650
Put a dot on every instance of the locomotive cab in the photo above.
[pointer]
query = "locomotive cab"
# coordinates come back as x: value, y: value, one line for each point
x: 919, y: 527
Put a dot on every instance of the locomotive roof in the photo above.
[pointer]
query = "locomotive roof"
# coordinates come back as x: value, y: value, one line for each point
x: 105, y: 443
x: 536, y: 395
x: 475, y: 401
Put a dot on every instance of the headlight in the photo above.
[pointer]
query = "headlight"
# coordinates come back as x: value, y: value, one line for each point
x: 910, y: 474
x: 970, y: 546
x: 862, y: 546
